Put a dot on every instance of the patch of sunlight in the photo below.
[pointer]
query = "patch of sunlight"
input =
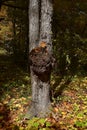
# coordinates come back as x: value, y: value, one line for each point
x: 3, y: 51
x: 26, y: 78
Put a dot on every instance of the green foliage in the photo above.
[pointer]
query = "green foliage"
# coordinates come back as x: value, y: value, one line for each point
x: 70, y: 33
x: 37, y: 123
x: 18, y: 18
x: 81, y: 124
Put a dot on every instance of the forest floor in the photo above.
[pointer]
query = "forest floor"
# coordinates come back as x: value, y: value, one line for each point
x: 69, y: 110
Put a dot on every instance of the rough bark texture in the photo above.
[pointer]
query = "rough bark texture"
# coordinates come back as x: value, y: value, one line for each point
x: 40, y: 60
x: 46, y: 19
x: 40, y: 95
x: 33, y: 23
x: 41, y: 65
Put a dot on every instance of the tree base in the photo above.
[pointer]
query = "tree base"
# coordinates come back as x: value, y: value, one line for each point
x: 33, y: 112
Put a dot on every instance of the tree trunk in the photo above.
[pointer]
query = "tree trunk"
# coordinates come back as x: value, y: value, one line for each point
x: 40, y: 95
x: 14, y: 33
x: 33, y: 23
x: 46, y: 19
x: 40, y: 32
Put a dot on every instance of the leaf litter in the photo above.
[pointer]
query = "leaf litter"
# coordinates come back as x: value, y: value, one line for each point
x: 68, y: 113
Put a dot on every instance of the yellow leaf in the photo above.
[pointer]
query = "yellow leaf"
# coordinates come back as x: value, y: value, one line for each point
x: 55, y: 109
x: 63, y: 113
x: 5, y: 102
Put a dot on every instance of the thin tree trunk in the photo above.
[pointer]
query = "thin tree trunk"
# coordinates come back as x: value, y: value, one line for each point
x: 14, y: 34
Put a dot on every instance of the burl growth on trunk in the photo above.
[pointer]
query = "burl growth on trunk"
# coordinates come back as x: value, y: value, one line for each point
x: 41, y: 60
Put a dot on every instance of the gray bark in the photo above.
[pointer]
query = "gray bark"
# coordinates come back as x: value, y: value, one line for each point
x: 33, y: 23
x: 46, y: 19
x: 40, y: 96
x: 40, y: 82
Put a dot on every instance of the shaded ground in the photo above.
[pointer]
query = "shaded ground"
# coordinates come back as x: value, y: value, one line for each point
x: 69, y: 110
x: 14, y: 90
